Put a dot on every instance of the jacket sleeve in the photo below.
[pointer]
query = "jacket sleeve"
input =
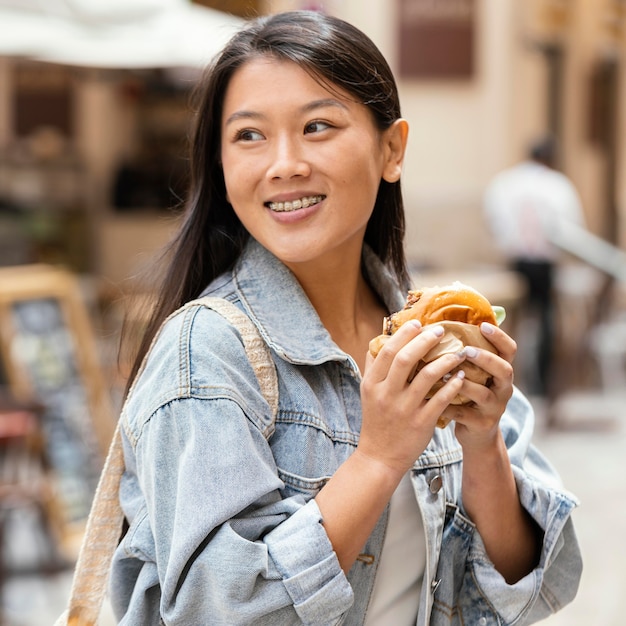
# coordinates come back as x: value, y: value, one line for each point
x: 211, y: 531
x: 225, y: 530
x: 554, y: 582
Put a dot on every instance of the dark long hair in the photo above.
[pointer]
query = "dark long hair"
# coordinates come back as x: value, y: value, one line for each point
x: 211, y: 237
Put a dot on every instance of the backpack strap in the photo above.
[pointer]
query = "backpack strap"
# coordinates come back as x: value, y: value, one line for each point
x: 104, y: 524
x: 257, y: 350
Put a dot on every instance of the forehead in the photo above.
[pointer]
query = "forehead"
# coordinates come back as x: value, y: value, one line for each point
x: 267, y: 78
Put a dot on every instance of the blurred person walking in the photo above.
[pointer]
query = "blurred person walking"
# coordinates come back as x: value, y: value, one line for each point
x: 522, y: 204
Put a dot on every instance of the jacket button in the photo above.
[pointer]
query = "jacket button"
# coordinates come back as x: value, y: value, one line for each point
x: 435, y: 484
x: 482, y: 621
x: 368, y: 559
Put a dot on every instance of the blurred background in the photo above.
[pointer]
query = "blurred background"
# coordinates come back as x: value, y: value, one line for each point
x: 94, y: 115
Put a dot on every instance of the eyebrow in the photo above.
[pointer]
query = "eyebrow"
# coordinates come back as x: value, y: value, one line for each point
x: 307, y: 108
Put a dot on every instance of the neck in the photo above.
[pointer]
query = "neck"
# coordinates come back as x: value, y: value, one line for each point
x: 346, y: 304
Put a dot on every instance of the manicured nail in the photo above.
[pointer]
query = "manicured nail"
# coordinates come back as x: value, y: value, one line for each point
x: 415, y: 323
x: 471, y: 352
x: 487, y: 328
x: 460, y: 374
x: 437, y: 331
x: 446, y: 377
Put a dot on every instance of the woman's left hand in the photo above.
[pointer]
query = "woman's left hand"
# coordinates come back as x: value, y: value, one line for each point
x: 478, y: 421
x: 490, y: 498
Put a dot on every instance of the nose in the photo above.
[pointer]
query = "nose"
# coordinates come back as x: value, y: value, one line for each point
x: 288, y: 160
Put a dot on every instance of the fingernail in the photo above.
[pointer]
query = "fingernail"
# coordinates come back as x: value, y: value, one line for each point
x: 460, y: 374
x: 487, y: 328
x: 471, y: 352
x: 437, y: 331
x: 416, y: 323
x: 446, y: 377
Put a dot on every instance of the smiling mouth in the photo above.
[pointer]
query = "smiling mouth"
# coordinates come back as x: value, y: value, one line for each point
x: 294, y: 205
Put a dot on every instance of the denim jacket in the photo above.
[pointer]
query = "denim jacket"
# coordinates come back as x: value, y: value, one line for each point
x: 224, y: 528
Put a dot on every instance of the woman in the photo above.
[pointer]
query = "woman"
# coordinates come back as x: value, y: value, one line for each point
x: 356, y: 509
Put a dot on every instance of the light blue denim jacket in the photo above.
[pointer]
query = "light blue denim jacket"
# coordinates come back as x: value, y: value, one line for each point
x: 224, y: 528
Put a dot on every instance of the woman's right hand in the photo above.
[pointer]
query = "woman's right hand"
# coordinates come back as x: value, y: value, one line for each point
x: 398, y: 421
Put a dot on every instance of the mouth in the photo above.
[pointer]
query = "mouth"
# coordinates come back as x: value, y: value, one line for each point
x: 294, y: 205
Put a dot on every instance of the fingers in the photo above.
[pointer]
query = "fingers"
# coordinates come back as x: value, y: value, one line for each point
x: 399, y: 356
x: 504, y: 344
x: 398, y: 421
x: 397, y: 361
x: 380, y: 366
x: 487, y: 403
x: 439, y: 402
x: 435, y: 375
x: 499, y: 366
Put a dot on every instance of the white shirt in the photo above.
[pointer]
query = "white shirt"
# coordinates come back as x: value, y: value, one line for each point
x: 395, y: 597
x: 523, y: 203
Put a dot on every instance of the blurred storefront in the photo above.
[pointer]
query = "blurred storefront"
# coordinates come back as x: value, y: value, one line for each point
x: 93, y: 155
x: 90, y: 158
x: 92, y: 150
x: 538, y: 65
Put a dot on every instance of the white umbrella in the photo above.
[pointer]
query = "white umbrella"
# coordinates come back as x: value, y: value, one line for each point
x: 26, y: 33
x: 114, y: 34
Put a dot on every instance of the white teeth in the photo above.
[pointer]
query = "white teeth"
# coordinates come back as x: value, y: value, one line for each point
x: 302, y: 203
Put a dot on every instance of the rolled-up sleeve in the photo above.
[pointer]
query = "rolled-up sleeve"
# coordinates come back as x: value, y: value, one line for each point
x: 295, y: 547
x: 229, y: 548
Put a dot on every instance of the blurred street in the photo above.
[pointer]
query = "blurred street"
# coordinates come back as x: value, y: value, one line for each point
x: 589, y: 453
x: 588, y: 450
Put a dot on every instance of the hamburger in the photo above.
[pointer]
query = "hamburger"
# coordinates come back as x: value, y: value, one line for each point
x: 460, y: 309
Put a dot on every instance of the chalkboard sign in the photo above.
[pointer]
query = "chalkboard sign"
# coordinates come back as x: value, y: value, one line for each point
x: 49, y: 356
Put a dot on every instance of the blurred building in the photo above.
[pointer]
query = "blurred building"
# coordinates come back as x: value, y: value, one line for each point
x: 97, y: 156
x: 536, y: 66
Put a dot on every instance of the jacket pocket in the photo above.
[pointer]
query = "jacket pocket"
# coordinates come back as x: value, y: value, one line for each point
x: 306, y: 453
x: 138, y: 542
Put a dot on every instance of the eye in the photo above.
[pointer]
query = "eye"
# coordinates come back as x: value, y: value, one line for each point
x: 316, y: 126
x: 247, y: 134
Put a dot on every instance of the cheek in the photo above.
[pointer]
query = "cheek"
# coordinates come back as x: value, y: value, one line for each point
x: 359, y: 165
x: 236, y: 177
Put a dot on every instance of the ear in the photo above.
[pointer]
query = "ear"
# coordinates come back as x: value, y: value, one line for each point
x: 394, y: 141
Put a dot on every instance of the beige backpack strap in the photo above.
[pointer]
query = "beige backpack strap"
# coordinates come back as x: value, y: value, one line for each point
x: 257, y: 350
x: 102, y: 534
x: 104, y: 525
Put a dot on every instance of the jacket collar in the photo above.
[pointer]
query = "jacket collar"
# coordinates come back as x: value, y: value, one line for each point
x: 277, y: 304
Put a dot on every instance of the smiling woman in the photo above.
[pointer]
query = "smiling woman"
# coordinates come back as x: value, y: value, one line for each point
x: 346, y: 506
x: 314, y: 158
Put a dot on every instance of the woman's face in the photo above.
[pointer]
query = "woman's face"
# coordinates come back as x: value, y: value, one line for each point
x: 302, y: 165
